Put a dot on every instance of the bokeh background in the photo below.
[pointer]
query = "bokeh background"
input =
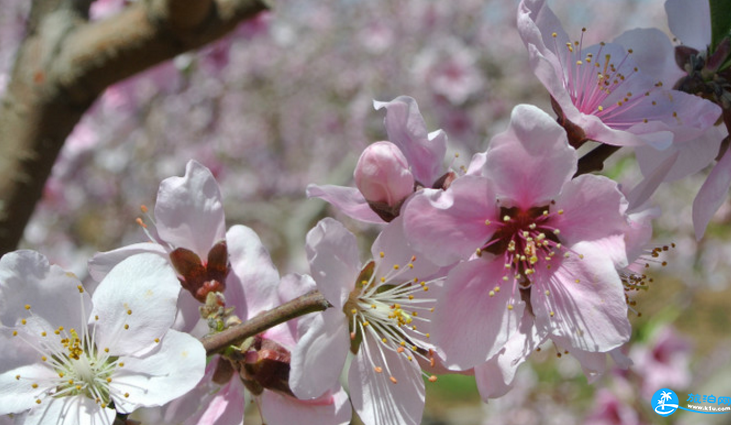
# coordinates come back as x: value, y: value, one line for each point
x: 286, y: 100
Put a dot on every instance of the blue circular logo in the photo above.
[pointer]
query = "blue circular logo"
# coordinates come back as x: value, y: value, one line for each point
x: 665, y: 402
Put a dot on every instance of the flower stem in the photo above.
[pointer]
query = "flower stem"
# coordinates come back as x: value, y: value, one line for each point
x: 309, y: 303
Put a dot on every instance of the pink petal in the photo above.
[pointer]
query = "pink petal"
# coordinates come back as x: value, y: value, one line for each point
x: 251, y: 285
x: 407, y: 130
x: 189, y: 211
x: 495, y: 377
x: 517, y: 158
x: 18, y: 395
x: 653, y: 53
x: 644, y: 190
x: 692, y: 155
x: 590, y: 315
x: 712, y: 194
x: 382, y: 174
x: 448, y: 226
x: 469, y: 325
x: 348, y: 200
x: 319, y: 356
x: 334, y: 260
x: 593, y: 208
x: 690, y: 22
x: 102, y: 262
x: 376, y: 398
x: 328, y: 409
x: 396, y: 251
x: 593, y: 364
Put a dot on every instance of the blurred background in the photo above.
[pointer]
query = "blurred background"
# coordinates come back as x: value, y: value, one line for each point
x: 286, y: 100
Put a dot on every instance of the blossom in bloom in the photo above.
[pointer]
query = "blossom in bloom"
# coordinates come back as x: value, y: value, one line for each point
x: 423, y: 153
x: 189, y: 231
x: 381, y: 312
x: 76, y: 359
x: 536, y: 241
x: 600, y: 91
x: 262, y: 365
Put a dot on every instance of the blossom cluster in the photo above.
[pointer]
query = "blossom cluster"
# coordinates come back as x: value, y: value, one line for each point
x: 475, y: 267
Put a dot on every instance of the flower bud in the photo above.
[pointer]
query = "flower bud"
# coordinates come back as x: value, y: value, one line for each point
x: 382, y: 174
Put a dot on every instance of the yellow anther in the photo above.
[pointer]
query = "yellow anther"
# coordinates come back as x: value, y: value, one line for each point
x: 510, y: 307
x: 382, y: 254
x: 395, y: 267
x: 27, y: 306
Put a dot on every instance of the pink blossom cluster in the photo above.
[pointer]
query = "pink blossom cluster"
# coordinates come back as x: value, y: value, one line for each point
x: 474, y: 268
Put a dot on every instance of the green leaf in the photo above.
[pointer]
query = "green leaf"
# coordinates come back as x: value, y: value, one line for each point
x: 720, y: 21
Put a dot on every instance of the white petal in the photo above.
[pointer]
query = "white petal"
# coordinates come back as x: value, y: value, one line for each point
x: 146, y: 286
x: 17, y: 395
x: 251, y: 286
x: 26, y: 278
x: 102, y: 262
x: 161, y: 376
x: 77, y: 410
x: 333, y: 255
x: 189, y: 211
x: 377, y: 399
x: 319, y: 357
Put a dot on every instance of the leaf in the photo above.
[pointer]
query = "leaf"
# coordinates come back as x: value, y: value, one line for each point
x: 720, y: 21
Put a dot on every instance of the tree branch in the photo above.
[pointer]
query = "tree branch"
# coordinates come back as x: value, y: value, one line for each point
x: 594, y: 160
x: 65, y: 63
x: 309, y: 303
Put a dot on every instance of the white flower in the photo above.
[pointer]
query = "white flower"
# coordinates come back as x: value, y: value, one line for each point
x: 69, y: 358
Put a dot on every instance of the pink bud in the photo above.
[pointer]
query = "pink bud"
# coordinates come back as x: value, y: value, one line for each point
x: 383, y: 175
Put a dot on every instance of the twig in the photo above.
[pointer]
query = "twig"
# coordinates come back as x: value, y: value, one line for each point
x: 308, y: 303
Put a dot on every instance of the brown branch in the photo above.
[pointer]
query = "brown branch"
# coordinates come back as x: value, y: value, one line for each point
x: 594, y: 160
x: 308, y: 303
x: 65, y: 63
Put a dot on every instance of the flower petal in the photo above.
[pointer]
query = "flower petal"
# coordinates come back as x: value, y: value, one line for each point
x: 348, y: 200
x: 590, y: 314
x: 375, y: 396
x: 328, y: 409
x: 495, y: 377
x: 333, y: 255
x: 593, y: 208
x: 397, y: 252
x: 449, y: 225
x: 711, y: 195
x: 135, y: 303
x: 319, y: 356
x: 189, y: 211
x: 18, y: 395
x: 690, y: 22
x: 407, y: 130
x: 27, y: 279
x: 251, y: 285
x: 102, y: 262
x: 469, y: 324
x: 75, y: 410
x: 517, y: 158
x: 653, y: 53
x: 173, y: 369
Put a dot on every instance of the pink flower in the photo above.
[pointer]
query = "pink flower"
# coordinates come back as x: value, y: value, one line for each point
x: 537, y: 243
x: 381, y: 312
x: 600, y: 91
x: 423, y: 154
